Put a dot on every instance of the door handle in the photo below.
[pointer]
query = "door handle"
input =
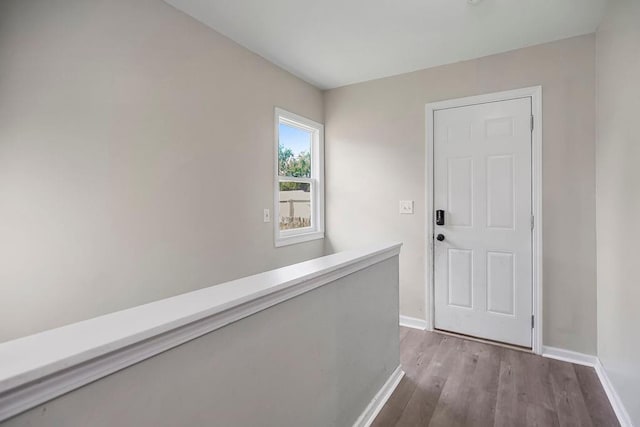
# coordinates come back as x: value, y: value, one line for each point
x: 440, y: 237
x: 439, y: 217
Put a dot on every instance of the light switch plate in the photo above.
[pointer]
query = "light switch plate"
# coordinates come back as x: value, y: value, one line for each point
x: 267, y: 215
x: 406, y: 206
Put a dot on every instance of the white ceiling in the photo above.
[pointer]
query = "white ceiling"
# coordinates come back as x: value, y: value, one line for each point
x: 332, y: 43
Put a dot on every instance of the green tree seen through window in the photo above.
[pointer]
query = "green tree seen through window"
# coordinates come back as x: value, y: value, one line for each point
x: 295, y: 166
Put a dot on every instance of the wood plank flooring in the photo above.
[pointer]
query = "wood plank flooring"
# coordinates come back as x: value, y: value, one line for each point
x: 451, y: 381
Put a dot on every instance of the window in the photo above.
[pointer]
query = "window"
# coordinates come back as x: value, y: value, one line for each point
x: 299, y: 179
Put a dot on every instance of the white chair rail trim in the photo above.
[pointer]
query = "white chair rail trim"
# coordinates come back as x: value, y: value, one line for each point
x: 43, y: 366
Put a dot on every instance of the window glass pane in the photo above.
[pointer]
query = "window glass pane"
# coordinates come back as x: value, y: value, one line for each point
x: 294, y: 151
x: 295, y: 205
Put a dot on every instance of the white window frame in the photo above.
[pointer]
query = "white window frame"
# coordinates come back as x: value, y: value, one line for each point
x: 316, y: 231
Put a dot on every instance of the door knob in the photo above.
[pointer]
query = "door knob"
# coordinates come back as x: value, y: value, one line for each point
x: 440, y: 237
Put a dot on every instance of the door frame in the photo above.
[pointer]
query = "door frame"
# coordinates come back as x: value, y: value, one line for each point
x: 535, y: 92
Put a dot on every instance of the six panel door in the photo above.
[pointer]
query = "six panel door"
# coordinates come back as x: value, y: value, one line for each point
x: 482, y: 180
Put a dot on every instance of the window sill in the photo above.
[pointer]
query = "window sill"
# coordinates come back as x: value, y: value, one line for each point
x: 298, y: 238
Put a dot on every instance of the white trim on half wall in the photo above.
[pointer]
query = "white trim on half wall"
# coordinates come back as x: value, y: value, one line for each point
x: 66, y: 358
x: 377, y: 403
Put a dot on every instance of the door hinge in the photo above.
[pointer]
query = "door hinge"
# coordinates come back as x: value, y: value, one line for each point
x: 533, y: 221
x: 531, y: 123
x: 532, y: 322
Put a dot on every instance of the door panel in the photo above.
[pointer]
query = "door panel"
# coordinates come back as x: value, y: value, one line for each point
x: 460, y: 191
x: 482, y: 179
x: 500, y: 283
x: 460, y: 278
x: 500, y: 192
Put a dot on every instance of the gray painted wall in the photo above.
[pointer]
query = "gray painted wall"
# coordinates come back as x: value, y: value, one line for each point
x: 618, y: 199
x: 375, y: 156
x: 315, y: 360
x: 126, y: 130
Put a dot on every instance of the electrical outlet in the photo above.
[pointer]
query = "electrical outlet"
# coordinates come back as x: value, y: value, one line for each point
x: 267, y: 215
x: 406, y: 206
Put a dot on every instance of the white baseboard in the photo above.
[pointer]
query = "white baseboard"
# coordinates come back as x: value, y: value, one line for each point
x: 618, y: 407
x: 375, y: 406
x: 569, y: 356
x: 413, y: 322
x: 588, y: 360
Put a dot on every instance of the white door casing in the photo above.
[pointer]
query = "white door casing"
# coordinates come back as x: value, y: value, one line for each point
x: 482, y: 179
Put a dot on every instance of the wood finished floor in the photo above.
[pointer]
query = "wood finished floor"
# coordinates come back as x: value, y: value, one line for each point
x: 451, y: 381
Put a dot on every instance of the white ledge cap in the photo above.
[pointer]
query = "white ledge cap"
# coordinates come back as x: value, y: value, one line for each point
x: 34, y: 357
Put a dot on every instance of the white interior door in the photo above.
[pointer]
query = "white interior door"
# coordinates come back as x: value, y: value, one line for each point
x: 482, y: 182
